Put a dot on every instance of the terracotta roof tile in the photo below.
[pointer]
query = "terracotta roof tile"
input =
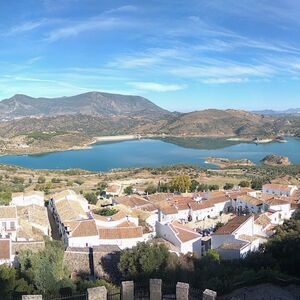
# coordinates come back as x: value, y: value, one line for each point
x: 184, y: 233
x: 232, y: 225
x: 252, y: 200
x: 120, y: 233
x: 85, y: 228
x: 263, y: 220
x: 4, y: 248
x: 131, y: 201
x: 114, y: 188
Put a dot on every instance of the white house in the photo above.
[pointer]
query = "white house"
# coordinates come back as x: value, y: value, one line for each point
x: 82, y: 233
x: 279, y: 189
x: 167, y: 213
x: 211, y: 208
x: 282, y: 207
x: 68, y: 206
x: 247, y: 203
x: 182, y: 237
x: 8, y: 222
x: 236, y: 238
x: 80, y: 227
x: 28, y: 198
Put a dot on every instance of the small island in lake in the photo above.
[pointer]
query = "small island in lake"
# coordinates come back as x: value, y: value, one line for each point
x: 276, y: 160
x: 225, y: 162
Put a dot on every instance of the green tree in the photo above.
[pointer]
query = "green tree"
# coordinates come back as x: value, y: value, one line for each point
x: 228, y: 186
x: 108, y: 211
x: 55, y: 180
x: 91, y: 198
x: 257, y: 183
x: 7, y: 281
x: 41, y: 179
x: 219, y: 225
x: 18, y: 180
x: 194, y: 185
x: 163, y: 187
x: 244, y: 183
x: 144, y: 260
x: 45, y: 268
x: 128, y: 190
x: 202, y: 187
x: 181, y: 183
x: 213, y: 187
x: 101, y: 187
x: 151, y: 189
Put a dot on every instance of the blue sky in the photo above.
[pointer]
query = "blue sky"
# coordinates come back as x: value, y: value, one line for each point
x: 182, y: 55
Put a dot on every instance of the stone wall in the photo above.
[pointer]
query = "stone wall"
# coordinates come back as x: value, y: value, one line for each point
x: 77, y: 261
x: 102, y: 259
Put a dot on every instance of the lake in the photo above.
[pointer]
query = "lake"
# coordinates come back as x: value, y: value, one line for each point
x: 152, y: 152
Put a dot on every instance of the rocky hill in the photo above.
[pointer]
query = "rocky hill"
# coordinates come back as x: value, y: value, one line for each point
x: 92, y: 103
x: 276, y: 160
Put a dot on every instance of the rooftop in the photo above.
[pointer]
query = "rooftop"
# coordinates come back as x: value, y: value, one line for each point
x: 232, y: 225
x: 8, y: 212
x: 34, y: 214
x: 84, y: 228
x: 183, y: 233
x: 132, y: 201
x: 249, y: 199
x: 232, y: 246
x: 263, y: 220
x: 113, y: 188
x: 69, y: 210
x: 4, y: 249
x: 120, y: 233
x: 280, y: 187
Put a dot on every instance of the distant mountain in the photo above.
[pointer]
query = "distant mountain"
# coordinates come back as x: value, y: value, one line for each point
x: 43, y: 124
x: 92, y: 103
x: 269, y: 112
x: 210, y: 122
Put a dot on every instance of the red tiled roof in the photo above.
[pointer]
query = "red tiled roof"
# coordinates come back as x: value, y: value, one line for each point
x: 118, y: 233
x: 232, y: 225
x: 252, y: 200
x: 4, y: 248
x: 184, y: 233
x: 85, y: 228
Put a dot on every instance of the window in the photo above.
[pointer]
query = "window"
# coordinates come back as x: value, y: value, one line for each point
x: 4, y: 225
x: 12, y: 225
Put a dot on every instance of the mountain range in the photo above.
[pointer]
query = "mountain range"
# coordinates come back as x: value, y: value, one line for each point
x: 91, y: 103
x: 35, y: 121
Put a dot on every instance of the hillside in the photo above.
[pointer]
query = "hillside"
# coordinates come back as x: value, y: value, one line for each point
x: 32, y: 125
x: 92, y: 103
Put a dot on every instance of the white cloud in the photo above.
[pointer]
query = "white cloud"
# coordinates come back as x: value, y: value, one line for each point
x: 224, y: 80
x: 122, y: 9
x: 135, y: 62
x: 156, y: 87
x: 223, y: 70
x: 72, y: 30
x: 24, y: 27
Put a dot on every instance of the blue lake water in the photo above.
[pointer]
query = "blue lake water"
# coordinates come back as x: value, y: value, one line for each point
x: 148, y: 152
